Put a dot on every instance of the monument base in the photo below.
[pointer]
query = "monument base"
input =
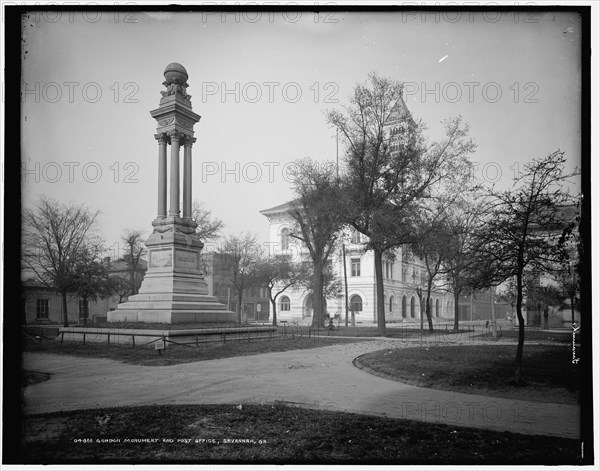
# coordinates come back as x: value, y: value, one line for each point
x: 173, y: 290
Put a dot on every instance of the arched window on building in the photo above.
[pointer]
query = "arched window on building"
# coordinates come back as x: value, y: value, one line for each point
x: 391, y: 309
x: 356, y: 303
x: 412, y: 306
x: 437, y: 308
x: 404, y: 307
x: 284, y: 303
x: 285, y: 238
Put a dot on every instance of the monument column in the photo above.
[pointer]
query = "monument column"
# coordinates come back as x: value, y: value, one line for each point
x: 162, y: 175
x: 187, y: 178
x: 174, y: 203
x: 174, y: 290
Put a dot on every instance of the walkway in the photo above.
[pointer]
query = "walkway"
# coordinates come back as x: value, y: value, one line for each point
x: 295, y: 377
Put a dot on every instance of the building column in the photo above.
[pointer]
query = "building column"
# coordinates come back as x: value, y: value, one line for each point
x: 162, y: 175
x: 187, y: 178
x: 174, y: 197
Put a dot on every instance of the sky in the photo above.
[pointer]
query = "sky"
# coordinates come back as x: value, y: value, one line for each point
x: 262, y: 83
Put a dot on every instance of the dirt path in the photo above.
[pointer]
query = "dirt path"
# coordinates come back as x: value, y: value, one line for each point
x: 296, y: 377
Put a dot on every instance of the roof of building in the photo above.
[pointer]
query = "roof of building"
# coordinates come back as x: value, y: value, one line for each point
x: 282, y: 208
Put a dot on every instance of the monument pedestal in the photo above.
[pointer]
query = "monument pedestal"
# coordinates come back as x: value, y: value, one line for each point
x: 173, y: 290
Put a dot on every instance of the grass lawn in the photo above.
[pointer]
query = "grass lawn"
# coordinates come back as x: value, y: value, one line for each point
x: 271, y: 433
x: 175, y: 354
x: 548, y: 371
x: 531, y: 335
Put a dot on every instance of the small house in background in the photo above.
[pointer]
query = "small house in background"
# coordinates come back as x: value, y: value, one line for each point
x: 43, y: 305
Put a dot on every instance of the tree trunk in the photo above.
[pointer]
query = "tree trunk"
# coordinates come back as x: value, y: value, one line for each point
x: 471, y: 307
x: 572, y: 310
x: 345, y: 282
x: 65, y: 314
x: 85, y: 312
x: 132, y: 281
x: 546, y: 317
x: 419, y: 292
x: 273, y: 305
x: 421, y: 308
x: 456, y: 309
x: 239, y: 306
x: 428, y: 305
x: 318, y: 320
x: 379, y: 283
x: 519, y: 357
x: 494, y: 326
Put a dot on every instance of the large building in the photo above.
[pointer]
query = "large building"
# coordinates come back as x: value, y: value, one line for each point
x: 404, y: 277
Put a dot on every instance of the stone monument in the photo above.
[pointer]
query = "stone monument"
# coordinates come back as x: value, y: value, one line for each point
x: 173, y: 289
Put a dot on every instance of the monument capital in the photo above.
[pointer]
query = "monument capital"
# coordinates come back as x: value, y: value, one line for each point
x: 176, y: 81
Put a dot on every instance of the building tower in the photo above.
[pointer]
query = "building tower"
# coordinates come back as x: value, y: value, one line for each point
x: 174, y: 289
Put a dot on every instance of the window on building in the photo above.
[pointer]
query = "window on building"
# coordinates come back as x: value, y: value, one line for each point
x: 285, y: 238
x: 412, y: 306
x: 356, y: 303
x: 404, y: 275
x: 404, y: 306
x: 356, y: 237
x: 355, y: 267
x: 391, y: 307
x: 284, y: 303
x: 84, y: 308
x: 42, y: 310
x: 437, y: 308
x: 388, y: 270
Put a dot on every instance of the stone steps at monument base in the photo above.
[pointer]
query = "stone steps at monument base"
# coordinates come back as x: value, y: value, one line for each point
x: 172, y: 297
x: 172, y: 305
x: 170, y: 316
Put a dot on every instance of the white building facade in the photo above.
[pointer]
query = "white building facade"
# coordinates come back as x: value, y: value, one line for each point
x: 403, y: 276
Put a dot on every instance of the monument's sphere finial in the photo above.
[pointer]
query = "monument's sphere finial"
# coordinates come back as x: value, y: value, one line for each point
x: 176, y: 73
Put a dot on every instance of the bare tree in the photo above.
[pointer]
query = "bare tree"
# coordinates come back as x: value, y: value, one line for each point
x: 209, y: 228
x: 433, y: 239
x: 120, y: 286
x: 91, y: 279
x: 525, y: 229
x: 317, y: 214
x: 390, y: 168
x: 277, y: 274
x: 241, y: 256
x: 462, y: 261
x: 55, y: 236
x: 134, y: 251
